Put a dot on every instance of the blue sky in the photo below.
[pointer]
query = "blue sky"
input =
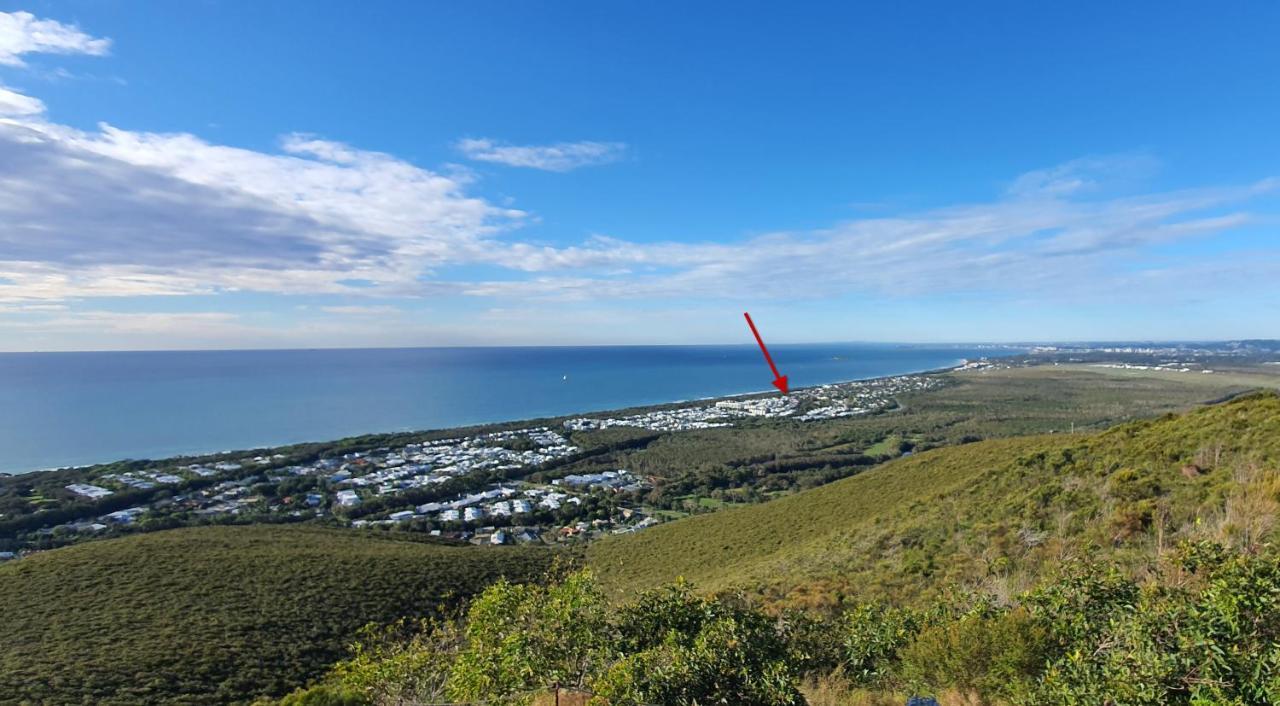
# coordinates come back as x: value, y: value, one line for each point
x: 227, y: 175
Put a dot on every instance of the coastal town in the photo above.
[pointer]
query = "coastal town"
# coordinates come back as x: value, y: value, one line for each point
x: 478, y: 488
x: 809, y: 404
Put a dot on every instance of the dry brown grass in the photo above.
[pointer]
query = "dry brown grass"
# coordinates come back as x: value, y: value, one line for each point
x: 1249, y: 514
x: 835, y: 690
x: 567, y: 697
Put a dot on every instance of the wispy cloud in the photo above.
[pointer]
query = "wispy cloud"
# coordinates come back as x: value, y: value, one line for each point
x: 1049, y: 247
x: 560, y: 157
x: 13, y: 103
x: 1083, y: 175
x: 22, y: 33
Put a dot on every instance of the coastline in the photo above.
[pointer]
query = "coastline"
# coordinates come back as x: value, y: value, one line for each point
x: 477, y: 427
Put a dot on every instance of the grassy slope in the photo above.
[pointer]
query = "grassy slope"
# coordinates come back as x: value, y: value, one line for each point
x: 216, y: 614
x: 994, y: 513
x: 781, y: 455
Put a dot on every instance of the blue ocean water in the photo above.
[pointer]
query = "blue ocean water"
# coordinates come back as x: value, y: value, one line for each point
x: 60, y: 409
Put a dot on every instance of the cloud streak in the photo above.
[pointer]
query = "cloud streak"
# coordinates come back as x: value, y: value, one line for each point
x: 22, y: 33
x: 560, y: 157
x: 1047, y: 247
x: 13, y: 103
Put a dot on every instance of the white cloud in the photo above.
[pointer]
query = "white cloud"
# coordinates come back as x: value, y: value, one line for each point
x: 16, y: 104
x: 120, y: 212
x: 22, y: 33
x: 560, y: 157
x: 1047, y: 247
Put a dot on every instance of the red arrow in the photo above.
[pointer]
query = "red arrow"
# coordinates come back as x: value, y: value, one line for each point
x: 779, y: 381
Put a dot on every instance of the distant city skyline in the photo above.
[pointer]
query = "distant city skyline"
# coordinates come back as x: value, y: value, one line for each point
x: 208, y: 176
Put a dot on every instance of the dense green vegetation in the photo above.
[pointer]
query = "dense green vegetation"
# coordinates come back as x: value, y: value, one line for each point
x: 1202, y: 629
x: 217, y: 614
x: 518, y: 642
x: 993, y: 514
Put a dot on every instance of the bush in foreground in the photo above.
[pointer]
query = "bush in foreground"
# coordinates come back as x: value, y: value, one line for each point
x: 1205, y: 629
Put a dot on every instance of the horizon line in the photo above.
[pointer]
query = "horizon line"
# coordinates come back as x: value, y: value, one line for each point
x: 1008, y: 344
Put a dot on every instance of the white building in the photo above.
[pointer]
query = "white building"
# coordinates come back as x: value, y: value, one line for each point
x: 88, y: 491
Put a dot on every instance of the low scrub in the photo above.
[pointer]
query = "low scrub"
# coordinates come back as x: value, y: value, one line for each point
x: 1202, y: 629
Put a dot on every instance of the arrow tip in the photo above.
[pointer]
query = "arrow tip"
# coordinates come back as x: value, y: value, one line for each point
x: 781, y: 383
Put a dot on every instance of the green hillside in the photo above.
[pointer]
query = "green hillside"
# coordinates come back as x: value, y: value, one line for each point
x: 224, y: 614
x: 218, y: 614
x: 992, y: 514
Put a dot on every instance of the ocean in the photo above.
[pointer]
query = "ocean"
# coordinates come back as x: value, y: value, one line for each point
x: 64, y: 409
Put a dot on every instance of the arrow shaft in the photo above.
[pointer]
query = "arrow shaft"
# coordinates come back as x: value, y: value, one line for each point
x: 768, y: 358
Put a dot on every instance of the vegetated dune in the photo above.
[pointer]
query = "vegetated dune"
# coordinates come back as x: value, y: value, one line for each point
x: 995, y: 514
x: 220, y: 614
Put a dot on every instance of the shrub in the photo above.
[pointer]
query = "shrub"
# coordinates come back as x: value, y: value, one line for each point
x: 1128, y: 484
x: 991, y: 656
x: 407, y: 661
x: 871, y: 635
x: 688, y: 649
x: 813, y: 643
x: 521, y: 639
x: 731, y: 659
x: 324, y: 695
x: 517, y: 642
x: 1215, y: 641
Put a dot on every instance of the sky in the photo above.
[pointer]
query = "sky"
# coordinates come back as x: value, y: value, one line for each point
x: 214, y: 174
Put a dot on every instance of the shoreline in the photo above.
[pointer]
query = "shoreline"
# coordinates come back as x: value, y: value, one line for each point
x: 250, y: 449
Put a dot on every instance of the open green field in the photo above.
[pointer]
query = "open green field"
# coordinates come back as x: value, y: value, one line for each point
x: 220, y: 614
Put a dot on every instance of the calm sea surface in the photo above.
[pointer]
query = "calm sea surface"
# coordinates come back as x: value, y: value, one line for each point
x: 59, y: 409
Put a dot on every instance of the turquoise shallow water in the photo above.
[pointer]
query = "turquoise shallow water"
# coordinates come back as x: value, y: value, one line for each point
x: 60, y: 409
